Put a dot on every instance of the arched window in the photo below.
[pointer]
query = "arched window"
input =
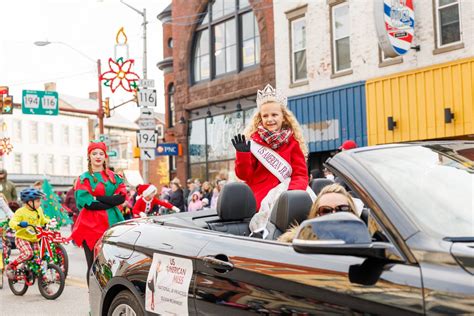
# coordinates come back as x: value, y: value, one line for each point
x: 171, y: 114
x: 226, y: 41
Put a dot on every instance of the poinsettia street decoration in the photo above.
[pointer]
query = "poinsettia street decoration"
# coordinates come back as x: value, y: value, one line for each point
x: 120, y: 75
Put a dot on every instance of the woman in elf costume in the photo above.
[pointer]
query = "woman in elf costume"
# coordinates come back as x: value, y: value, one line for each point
x: 273, y: 159
x: 98, y: 192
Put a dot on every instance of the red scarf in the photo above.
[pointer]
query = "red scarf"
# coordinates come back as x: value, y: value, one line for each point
x: 274, y: 139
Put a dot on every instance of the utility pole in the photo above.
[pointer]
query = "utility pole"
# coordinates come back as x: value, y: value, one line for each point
x: 143, y: 14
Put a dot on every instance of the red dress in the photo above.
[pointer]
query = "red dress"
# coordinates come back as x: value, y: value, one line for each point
x: 91, y: 224
x: 260, y: 180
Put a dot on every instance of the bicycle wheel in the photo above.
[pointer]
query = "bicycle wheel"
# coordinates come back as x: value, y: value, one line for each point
x: 18, y: 286
x: 63, y: 259
x: 51, y: 284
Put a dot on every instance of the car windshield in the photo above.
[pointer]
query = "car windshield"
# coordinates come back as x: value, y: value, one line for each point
x: 433, y: 183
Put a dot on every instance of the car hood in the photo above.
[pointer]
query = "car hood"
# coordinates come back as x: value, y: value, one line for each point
x: 463, y: 252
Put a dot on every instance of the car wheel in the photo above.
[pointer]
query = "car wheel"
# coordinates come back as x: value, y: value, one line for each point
x: 125, y: 304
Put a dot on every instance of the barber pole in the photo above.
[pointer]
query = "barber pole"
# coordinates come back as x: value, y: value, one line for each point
x: 395, y: 26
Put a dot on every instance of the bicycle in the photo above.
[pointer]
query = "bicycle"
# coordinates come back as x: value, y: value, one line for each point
x: 51, y: 278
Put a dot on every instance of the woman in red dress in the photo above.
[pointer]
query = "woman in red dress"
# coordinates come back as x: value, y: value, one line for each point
x: 98, y: 192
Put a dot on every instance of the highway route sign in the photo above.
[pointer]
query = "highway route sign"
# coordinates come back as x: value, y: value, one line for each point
x: 40, y: 102
x: 147, y: 138
x: 146, y: 113
x: 147, y: 153
x: 146, y: 97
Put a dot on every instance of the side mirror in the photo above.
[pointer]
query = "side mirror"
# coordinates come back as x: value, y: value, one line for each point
x: 341, y: 233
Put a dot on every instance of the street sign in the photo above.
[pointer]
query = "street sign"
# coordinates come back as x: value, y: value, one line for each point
x: 112, y: 153
x: 40, y: 102
x: 167, y: 150
x: 105, y: 139
x: 148, y: 83
x: 146, y: 113
x: 146, y: 123
x: 147, y: 154
x: 146, y: 97
x: 147, y: 138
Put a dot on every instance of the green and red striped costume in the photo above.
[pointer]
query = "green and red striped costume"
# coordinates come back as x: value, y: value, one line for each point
x: 91, y: 224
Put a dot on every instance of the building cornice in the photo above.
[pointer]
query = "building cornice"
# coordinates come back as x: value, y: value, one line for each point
x: 165, y: 63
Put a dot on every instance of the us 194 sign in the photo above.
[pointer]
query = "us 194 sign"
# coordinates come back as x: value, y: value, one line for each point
x: 147, y: 97
x: 147, y: 138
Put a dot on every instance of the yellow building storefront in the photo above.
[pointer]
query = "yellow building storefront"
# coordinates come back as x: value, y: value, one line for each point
x: 428, y: 103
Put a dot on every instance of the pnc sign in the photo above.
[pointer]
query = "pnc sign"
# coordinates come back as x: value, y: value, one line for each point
x: 395, y: 26
x: 170, y: 149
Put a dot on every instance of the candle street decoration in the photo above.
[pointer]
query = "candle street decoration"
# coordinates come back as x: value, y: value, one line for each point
x: 120, y: 72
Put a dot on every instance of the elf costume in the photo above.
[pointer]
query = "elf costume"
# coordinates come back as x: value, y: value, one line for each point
x: 97, y: 196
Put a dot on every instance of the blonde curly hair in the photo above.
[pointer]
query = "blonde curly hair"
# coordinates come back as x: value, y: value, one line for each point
x: 289, y: 121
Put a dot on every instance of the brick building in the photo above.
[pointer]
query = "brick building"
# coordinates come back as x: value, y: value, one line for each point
x: 216, y: 55
x: 341, y: 86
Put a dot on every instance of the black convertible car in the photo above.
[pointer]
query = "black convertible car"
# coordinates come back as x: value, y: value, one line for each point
x: 412, y: 254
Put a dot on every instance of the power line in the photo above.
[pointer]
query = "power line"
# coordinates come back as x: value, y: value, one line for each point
x: 51, y: 79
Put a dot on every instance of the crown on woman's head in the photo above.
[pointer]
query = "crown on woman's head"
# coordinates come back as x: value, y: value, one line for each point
x: 269, y: 94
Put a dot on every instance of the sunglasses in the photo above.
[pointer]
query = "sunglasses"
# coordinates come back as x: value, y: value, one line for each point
x: 324, y: 210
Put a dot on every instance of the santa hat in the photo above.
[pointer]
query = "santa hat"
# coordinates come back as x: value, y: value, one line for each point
x: 97, y: 145
x: 146, y: 189
x: 348, y: 144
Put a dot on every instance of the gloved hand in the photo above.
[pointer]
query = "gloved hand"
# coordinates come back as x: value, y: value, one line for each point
x: 142, y: 214
x: 240, y: 144
x: 176, y: 209
x: 23, y: 224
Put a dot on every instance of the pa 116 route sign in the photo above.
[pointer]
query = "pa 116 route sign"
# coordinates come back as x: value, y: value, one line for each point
x: 39, y: 102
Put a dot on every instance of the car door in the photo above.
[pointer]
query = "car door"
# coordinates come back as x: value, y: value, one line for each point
x: 240, y: 275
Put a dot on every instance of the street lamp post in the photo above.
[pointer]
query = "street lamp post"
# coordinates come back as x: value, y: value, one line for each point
x: 143, y: 14
x: 100, y: 109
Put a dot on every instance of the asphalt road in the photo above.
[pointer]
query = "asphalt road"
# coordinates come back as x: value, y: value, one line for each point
x: 73, y: 301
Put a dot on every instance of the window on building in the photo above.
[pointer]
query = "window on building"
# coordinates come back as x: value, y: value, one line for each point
x: 34, y: 134
x: 78, y: 137
x: 298, y: 49
x: 49, y: 138
x: 340, y: 32
x: 49, y: 164
x: 210, y: 150
x: 171, y: 113
x: 17, y: 131
x: 250, y: 40
x: 78, y: 168
x: 172, y: 163
x: 34, y: 164
x: 65, y: 134
x: 227, y: 40
x: 17, y: 163
x: 387, y: 61
x: 448, y: 23
x: 66, y: 162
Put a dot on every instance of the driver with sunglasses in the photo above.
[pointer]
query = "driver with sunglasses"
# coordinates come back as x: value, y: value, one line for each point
x: 332, y: 199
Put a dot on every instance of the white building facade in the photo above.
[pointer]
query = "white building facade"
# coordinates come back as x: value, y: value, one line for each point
x: 328, y: 55
x: 45, y: 145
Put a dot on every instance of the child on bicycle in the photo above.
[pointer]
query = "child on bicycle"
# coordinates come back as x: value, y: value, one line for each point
x: 29, y: 214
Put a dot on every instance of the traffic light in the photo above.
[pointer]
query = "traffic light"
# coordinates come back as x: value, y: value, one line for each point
x: 106, y: 105
x: 7, y: 107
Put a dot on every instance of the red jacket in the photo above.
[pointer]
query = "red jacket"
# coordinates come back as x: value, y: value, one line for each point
x: 260, y: 180
x: 140, y: 206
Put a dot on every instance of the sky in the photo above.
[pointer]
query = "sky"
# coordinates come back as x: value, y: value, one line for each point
x: 89, y: 26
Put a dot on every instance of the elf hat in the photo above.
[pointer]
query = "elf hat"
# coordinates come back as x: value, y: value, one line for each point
x: 97, y: 145
x: 146, y: 190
